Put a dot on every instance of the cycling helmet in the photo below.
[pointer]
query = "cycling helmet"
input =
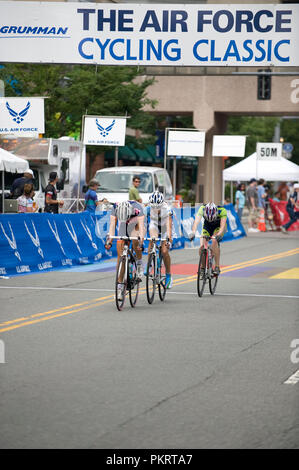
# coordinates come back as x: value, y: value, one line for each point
x: 210, y: 212
x: 124, y: 211
x: 156, y: 199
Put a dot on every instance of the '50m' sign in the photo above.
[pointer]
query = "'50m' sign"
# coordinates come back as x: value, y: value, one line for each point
x: 268, y: 151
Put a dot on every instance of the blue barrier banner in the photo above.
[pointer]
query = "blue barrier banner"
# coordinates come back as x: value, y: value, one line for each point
x: 235, y: 228
x: 42, y: 242
x: 39, y: 242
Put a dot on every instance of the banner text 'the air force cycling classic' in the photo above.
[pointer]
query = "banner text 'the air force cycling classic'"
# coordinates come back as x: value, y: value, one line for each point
x: 134, y: 34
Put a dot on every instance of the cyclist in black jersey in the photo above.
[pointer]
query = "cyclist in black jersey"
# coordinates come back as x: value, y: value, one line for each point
x: 215, y: 218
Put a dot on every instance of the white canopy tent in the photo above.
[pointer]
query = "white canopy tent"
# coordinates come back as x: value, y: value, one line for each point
x: 12, y: 164
x: 280, y: 169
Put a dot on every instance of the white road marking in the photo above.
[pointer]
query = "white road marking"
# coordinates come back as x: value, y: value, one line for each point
x: 168, y: 292
x: 293, y: 379
x: 238, y: 295
x: 56, y: 288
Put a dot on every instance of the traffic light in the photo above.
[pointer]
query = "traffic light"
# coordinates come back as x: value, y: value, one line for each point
x: 263, y: 85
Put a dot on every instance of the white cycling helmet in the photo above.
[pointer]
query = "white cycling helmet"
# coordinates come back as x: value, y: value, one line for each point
x: 124, y: 211
x: 156, y: 199
x: 210, y: 212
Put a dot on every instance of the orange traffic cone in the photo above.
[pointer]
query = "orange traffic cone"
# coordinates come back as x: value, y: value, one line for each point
x: 261, y: 225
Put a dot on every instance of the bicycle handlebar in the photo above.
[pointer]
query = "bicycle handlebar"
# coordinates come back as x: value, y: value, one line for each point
x: 154, y: 239
x: 123, y: 238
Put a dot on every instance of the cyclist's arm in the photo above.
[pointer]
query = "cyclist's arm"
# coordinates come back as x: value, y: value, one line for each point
x: 222, y: 226
x: 111, y: 231
x: 196, y: 223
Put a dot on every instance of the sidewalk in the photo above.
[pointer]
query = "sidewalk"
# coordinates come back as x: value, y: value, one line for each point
x: 294, y: 234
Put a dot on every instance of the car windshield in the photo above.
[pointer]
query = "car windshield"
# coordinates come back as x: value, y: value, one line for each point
x: 121, y: 182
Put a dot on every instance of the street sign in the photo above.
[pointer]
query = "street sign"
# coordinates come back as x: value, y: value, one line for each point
x: 268, y: 151
x: 229, y: 145
x: 288, y: 147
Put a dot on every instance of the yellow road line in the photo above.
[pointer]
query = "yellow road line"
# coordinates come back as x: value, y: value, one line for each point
x: 288, y: 274
x: 32, y: 319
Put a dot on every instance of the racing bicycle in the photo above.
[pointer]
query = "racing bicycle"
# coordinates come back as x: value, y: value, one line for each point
x: 155, y: 271
x: 126, y: 274
x: 206, y: 261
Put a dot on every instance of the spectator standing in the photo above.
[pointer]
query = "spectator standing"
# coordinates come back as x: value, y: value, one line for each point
x: 252, y: 204
x: 283, y: 191
x: 268, y: 212
x: 261, y: 194
x: 52, y: 204
x: 292, y: 209
x: 134, y: 192
x: 240, y: 200
x: 25, y: 201
x: 17, y: 187
x: 91, y: 197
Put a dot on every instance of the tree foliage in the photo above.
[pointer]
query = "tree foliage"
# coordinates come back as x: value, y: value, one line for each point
x: 75, y: 90
x: 261, y: 129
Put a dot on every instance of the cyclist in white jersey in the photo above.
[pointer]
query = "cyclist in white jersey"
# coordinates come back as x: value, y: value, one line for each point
x: 130, y: 216
x: 160, y: 216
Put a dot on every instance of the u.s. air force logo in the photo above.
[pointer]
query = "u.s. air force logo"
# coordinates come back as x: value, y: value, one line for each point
x: 104, y: 131
x: 18, y: 117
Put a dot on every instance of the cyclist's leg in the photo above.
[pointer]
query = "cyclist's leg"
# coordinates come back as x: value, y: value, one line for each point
x: 205, y: 233
x: 138, y: 250
x: 216, y: 250
x: 119, y: 248
x: 153, y: 233
x: 167, y: 262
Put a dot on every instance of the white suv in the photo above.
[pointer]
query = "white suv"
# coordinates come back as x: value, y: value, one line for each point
x: 115, y: 182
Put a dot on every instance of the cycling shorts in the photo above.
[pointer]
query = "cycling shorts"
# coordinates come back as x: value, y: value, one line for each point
x: 210, y: 228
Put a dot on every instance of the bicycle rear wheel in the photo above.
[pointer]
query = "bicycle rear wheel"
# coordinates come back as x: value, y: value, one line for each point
x: 202, y: 282
x: 214, y: 279
x: 133, y: 282
x: 162, y: 277
x: 151, y: 278
x: 120, y: 294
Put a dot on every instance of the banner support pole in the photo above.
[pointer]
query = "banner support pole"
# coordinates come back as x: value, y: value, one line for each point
x: 3, y: 194
x: 80, y: 165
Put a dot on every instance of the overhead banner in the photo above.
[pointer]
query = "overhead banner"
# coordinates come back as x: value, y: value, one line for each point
x: 186, y: 143
x: 268, y: 151
x: 103, y: 130
x: 150, y: 34
x: 22, y: 116
x: 229, y: 145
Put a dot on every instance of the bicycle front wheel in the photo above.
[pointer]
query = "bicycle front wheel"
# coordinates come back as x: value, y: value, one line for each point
x: 151, y: 278
x: 202, y: 276
x: 120, y: 284
x: 133, y: 282
x: 162, y: 278
x: 213, y: 278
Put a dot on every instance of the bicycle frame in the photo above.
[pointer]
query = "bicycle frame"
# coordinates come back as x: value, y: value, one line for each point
x: 207, y: 256
x: 208, y: 249
x: 154, y: 248
x: 156, y: 278
x: 129, y: 283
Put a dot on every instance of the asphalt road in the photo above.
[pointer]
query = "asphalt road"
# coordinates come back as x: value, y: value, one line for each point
x: 188, y: 373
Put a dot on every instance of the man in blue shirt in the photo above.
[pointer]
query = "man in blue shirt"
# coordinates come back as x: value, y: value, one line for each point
x: 261, y: 194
